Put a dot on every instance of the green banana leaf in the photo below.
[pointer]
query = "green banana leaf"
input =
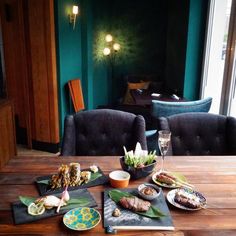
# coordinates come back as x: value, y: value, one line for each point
x: 76, y: 202
x: 27, y: 200
x: 153, y: 211
x: 44, y: 181
x: 72, y: 203
x: 95, y: 176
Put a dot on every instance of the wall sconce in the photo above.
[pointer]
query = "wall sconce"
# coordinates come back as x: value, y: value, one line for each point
x: 72, y: 17
x: 110, y: 47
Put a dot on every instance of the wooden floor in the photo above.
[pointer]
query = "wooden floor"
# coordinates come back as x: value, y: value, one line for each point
x: 24, y: 151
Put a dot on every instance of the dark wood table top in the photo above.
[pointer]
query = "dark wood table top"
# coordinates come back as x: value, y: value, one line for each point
x: 214, y: 176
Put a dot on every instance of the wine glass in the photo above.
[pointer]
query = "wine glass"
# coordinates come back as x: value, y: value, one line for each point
x: 163, y: 143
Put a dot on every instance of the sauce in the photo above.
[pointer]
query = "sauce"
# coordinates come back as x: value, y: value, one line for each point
x: 149, y: 191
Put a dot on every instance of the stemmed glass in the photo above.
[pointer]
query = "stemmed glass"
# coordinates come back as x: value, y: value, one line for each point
x: 163, y: 143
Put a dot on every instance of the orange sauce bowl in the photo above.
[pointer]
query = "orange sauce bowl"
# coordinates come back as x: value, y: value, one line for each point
x: 119, y: 179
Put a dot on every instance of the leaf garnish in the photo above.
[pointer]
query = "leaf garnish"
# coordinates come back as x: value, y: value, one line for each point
x: 44, y: 181
x: 27, y: 200
x: 72, y: 203
x: 95, y: 176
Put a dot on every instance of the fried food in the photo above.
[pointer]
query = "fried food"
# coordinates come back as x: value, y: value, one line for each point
x: 69, y: 176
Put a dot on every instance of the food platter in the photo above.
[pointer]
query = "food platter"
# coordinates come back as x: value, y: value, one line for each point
x: 171, y: 199
x: 177, y: 175
x: 78, y: 198
x: 42, y: 183
x: 82, y: 218
x: 158, y: 216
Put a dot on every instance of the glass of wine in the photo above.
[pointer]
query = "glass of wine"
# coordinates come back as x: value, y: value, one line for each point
x: 163, y: 143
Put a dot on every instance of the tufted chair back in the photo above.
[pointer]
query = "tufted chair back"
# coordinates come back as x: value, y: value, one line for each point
x: 102, y: 132
x: 200, y: 134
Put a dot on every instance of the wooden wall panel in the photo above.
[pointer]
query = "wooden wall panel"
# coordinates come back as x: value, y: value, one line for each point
x: 7, y: 132
x: 43, y: 71
x: 30, y: 61
x: 15, y: 56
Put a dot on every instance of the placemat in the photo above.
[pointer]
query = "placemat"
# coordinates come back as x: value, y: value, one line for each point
x: 45, y: 190
x: 21, y: 215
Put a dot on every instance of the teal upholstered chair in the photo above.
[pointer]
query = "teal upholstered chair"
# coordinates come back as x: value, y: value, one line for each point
x: 165, y: 109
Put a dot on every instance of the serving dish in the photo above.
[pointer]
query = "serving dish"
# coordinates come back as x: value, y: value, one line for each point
x: 129, y: 219
x: 43, y: 183
x: 138, y: 172
x: 79, y: 198
x: 149, y: 197
x: 82, y: 218
x: 119, y: 179
x: 171, y: 199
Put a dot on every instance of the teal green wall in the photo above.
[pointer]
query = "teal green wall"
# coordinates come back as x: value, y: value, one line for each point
x: 86, y: 18
x: 72, y: 54
x: 176, y: 41
x: 195, y: 45
x: 162, y: 37
x: 141, y: 28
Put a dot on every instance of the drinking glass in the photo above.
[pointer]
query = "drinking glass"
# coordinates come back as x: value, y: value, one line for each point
x: 163, y: 143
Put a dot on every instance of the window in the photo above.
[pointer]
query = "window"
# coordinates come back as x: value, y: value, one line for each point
x: 215, y: 61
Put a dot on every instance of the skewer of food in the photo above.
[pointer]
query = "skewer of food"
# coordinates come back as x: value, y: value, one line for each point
x: 171, y: 180
x: 186, y: 199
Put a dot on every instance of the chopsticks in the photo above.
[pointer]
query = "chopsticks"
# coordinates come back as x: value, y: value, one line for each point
x: 184, y: 184
x: 207, y: 209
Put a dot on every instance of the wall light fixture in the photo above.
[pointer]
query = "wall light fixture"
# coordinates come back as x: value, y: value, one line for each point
x: 72, y: 17
x: 111, y: 46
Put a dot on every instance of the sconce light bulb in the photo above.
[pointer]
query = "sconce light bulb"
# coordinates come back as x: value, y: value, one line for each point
x: 116, y: 46
x: 75, y: 10
x: 108, y: 38
x: 106, y: 51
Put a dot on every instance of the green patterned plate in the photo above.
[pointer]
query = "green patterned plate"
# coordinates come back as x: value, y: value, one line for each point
x: 175, y: 174
x: 82, y: 218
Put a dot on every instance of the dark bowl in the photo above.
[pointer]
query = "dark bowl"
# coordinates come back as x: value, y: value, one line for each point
x: 139, y: 172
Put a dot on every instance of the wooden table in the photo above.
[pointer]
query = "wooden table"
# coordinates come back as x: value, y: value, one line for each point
x: 214, y: 176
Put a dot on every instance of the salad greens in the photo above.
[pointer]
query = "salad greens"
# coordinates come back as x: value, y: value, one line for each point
x: 139, y: 157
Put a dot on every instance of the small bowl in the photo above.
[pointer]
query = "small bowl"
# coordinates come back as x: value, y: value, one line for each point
x: 139, y: 172
x: 149, y: 197
x: 119, y: 179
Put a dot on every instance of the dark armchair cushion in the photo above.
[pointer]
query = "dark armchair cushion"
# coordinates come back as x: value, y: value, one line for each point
x: 102, y: 132
x: 200, y: 134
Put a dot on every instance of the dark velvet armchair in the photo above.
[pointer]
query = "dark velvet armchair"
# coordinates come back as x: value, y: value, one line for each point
x: 102, y: 132
x: 200, y: 134
x: 165, y: 109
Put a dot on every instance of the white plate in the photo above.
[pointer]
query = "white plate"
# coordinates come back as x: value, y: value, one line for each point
x: 171, y: 196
